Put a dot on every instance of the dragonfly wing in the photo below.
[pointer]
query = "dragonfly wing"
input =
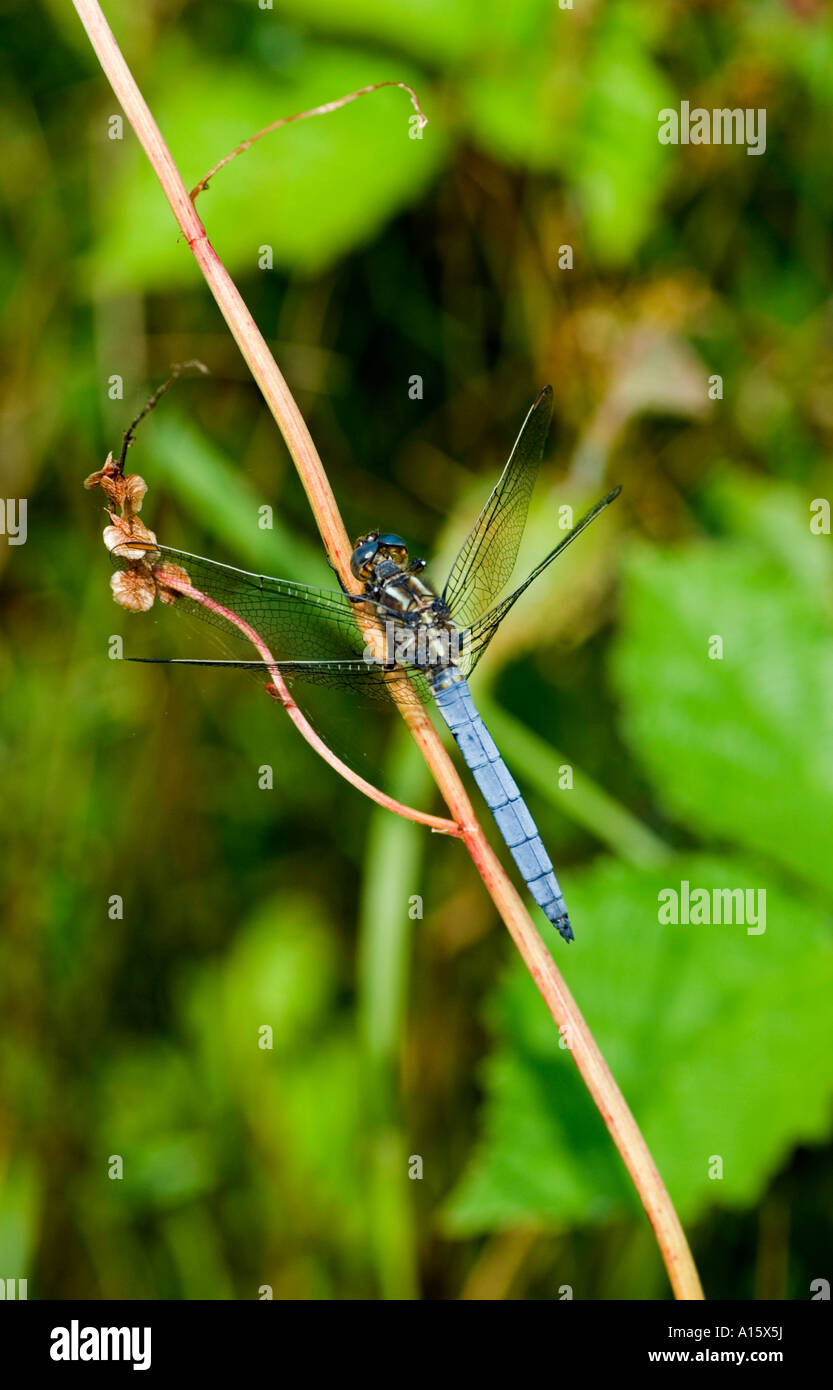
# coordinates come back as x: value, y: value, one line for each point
x: 478, y: 637
x: 368, y: 680
x: 298, y: 622
x: 487, y: 558
x: 363, y: 679
x: 318, y: 648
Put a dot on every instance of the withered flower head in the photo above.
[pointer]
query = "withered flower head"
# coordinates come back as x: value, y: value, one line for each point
x: 135, y: 488
x: 108, y: 474
x: 126, y: 493
x: 134, y: 589
x: 129, y: 539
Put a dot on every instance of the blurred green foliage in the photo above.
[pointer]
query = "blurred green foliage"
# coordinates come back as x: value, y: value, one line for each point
x: 396, y: 1036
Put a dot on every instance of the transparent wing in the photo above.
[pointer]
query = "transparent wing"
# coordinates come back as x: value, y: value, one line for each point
x: 484, y: 629
x: 297, y: 622
x: 378, y: 683
x: 487, y: 558
x: 312, y: 632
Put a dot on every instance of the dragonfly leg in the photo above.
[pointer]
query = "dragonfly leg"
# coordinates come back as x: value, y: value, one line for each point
x: 354, y: 598
x: 382, y: 609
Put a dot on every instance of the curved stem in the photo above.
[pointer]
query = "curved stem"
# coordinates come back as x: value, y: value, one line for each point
x: 539, y: 962
x: 324, y: 110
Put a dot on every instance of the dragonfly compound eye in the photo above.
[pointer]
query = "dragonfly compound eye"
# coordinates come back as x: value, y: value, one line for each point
x: 363, y: 557
x: 394, y: 547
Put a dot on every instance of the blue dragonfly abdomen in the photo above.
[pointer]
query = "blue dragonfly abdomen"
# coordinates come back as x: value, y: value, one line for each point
x: 500, y: 792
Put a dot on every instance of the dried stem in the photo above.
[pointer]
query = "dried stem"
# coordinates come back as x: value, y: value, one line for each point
x: 324, y: 110
x: 178, y: 369
x: 592, y: 1066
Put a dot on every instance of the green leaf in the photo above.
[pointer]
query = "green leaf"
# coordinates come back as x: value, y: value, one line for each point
x: 585, y: 103
x: 718, y: 1039
x: 775, y: 517
x: 725, y: 741
x: 444, y: 31
x: 281, y: 972
x: 436, y: 29
x: 615, y: 158
x: 520, y: 111
x: 311, y: 191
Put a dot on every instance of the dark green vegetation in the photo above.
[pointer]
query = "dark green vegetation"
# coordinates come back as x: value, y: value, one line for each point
x: 289, y: 907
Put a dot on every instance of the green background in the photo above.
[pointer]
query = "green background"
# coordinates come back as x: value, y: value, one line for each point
x: 394, y: 1036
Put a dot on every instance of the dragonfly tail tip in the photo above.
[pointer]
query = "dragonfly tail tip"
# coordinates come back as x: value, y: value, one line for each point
x: 565, y: 931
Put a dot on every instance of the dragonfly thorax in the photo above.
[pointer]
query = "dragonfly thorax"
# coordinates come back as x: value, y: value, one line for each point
x: 418, y: 628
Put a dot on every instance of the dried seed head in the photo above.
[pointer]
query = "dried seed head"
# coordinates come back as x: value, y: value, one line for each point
x: 129, y: 539
x: 124, y: 493
x: 109, y: 472
x: 133, y: 589
x: 134, y: 489
x: 110, y: 481
x: 138, y: 585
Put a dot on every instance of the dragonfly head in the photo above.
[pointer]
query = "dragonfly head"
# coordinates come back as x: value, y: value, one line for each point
x: 372, y: 548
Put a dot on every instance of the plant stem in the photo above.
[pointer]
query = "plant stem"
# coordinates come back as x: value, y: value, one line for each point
x: 539, y: 962
x: 391, y: 876
x: 326, y: 109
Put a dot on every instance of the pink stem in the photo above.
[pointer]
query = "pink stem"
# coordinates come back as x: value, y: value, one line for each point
x: 323, y: 110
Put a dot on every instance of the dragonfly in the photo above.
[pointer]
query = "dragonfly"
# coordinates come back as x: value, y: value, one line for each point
x: 426, y: 643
